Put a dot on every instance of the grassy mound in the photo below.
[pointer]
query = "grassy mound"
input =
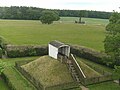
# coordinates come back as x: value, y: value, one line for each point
x: 89, y: 72
x: 48, y: 71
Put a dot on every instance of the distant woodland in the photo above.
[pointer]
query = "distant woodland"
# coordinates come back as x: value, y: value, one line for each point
x: 33, y: 13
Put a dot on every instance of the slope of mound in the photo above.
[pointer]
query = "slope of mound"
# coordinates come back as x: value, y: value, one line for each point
x: 48, y: 71
x: 88, y: 71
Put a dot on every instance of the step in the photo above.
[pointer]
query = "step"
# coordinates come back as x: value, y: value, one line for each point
x: 78, y: 80
x: 72, y: 68
x: 71, y: 65
x: 74, y: 73
x: 76, y: 76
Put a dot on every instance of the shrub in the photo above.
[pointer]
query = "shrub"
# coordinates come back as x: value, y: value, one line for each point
x: 22, y: 51
x: 2, y: 43
x: 2, y: 65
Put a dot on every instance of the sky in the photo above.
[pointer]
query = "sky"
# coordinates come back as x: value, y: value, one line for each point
x: 98, y: 5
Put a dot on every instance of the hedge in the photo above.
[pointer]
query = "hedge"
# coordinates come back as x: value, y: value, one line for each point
x: 23, y: 51
x: 90, y: 54
x: 0, y: 53
x: 80, y: 51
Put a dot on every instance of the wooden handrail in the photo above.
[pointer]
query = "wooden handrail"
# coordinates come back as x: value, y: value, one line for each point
x: 78, y: 66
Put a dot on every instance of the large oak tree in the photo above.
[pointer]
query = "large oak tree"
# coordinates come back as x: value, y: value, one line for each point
x: 47, y: 17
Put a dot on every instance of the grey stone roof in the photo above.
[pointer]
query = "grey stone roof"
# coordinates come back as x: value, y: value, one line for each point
x: 57, y: 44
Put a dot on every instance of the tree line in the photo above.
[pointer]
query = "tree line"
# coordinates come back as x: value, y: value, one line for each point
x: 34, y: 13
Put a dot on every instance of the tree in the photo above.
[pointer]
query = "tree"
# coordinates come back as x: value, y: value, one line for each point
x: 47, y: 17
x: 82, y: 14
x: 112, y: 40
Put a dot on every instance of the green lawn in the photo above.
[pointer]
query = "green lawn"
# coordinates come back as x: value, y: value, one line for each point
x: 90, y: 63
x: 17, y: 80
x: 33, y: 32
x: 9, y: 62
x: 105, y: 86
x: 88, y: 71
x: 92, y: 21
x: 3, y: 85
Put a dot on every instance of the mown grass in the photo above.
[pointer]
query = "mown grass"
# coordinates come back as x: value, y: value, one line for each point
x: 88, y: 71
x: 105, y: 86
x: 8, y: 63
x: 33, y: 32
x: 109, y: 85
x: 3, y: 85
x: 16, y: 80
x: 92, y: 21
x: 48, y: 71
x: 88, y: 62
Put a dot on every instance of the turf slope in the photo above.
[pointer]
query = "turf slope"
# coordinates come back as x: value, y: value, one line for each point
x: 48, y: 71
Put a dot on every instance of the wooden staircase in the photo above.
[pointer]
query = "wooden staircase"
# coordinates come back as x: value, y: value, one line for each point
x: 73, y: 66
x: 73, y: 72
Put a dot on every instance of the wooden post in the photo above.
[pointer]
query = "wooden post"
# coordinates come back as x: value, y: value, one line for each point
x: 119, y: 81
x: 80, y: 19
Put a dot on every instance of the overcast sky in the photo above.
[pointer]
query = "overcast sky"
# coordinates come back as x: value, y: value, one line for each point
x: 99, y: 5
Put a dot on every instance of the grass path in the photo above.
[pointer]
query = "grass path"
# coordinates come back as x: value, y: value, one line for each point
x: 17, y: 80
x: 88, y: 71
x: 8, y: 63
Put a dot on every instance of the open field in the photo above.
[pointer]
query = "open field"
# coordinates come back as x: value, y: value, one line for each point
x: 33, y: 32
x: 92, y: 21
